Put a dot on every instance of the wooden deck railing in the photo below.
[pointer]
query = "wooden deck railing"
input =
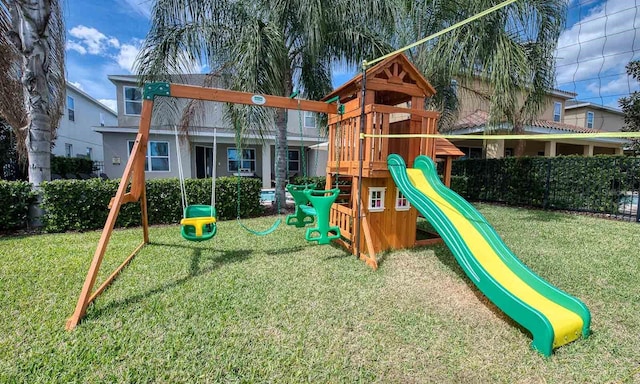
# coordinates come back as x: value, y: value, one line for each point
x: 344, y: 137
x: 342, y: 217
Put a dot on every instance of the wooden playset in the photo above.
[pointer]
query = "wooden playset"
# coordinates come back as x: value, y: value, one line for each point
x: 360, y: 200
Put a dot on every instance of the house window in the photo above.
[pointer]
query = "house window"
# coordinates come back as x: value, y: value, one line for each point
x: 68, y: 149
x: 402, y: 204
x: 376, y: 199
x: 89, y: 153
x: 309, y: 119
x: 589, y: 119
x: 71, y: 110
x: 557, y: 110
x: 294, y: 160
x: 101, y: 119
x: 157, y: 157
x: 246, y: 164
x: 132, y: 101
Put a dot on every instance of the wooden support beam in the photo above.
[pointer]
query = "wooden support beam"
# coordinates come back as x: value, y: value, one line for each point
x: 370, y: 259
x: 128, y: 198
x: 137, y: 157
x: 227, y: 96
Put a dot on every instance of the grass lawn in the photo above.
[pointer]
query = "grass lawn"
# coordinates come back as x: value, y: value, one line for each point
x: 242, y: 308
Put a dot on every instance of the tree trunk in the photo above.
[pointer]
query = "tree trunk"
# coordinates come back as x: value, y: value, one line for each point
x: 38, y: 143
x: 281, y: 158
x: 518, y: 129
x: 30, y: 34
x: 282, y: 155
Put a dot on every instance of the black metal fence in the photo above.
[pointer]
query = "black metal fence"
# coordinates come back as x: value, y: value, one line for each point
x: 607, y: 185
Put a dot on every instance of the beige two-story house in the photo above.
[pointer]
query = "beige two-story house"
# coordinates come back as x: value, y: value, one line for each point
x: 589, y: 115
x: 560, y: 115
x: 196, y: 149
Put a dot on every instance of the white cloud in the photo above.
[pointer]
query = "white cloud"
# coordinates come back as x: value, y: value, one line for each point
x: 77, y: 85
x: 111, y: 103
x: 92, y: 39
x: 114, y: 42
x: 73, y: 46
x: 127, y: 55
x: 619, y: 85
x: 598, y: 45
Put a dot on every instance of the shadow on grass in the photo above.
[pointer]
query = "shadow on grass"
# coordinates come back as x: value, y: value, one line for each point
x: 282, y: 251
x: 195, y: 270
x: 447, y: 258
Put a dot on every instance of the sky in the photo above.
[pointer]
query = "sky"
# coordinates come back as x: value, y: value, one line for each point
x: 600, y: 38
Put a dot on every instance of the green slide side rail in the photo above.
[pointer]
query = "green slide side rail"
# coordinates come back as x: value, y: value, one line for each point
x: 530, y: 318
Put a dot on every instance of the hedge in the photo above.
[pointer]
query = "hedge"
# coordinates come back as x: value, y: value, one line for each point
x: 16, y: 197
x: 592, y: 184
x: 63, y: 165
x: 82, y: 204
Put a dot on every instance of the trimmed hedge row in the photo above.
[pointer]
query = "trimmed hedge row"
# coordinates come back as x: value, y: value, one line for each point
x: 16, y: 197
x: 592, y: 184
x: 63, y: 165
x: 82, y: 204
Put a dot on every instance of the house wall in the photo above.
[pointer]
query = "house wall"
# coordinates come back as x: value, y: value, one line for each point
x: 116, y: 153
x: 602, y: 119
x: 548, y: 109
x: 222, y: 159
x: 317, y: 164
x: 213, y: 112
x: 475, y: 96
x: 79, y: 133
x: 212, y: 116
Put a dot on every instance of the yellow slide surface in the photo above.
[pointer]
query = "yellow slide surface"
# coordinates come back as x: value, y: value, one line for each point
x: 566, y: 324
x: 553, y: 317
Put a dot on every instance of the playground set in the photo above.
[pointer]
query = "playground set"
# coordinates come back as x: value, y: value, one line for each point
x: 375, y: 188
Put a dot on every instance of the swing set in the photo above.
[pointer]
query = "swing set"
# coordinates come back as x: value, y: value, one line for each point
x: 199, y: 221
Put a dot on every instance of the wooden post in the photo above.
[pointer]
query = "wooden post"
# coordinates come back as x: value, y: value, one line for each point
x: 448, y: 164
x: 134, y: 171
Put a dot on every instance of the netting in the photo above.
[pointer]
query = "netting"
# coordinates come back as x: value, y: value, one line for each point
x: 600, y: 39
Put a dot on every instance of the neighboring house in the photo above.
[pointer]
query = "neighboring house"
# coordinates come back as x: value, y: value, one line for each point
x: 76, y: 135
x: 257, y: 159
x: 560, y: 116
x: 588, y: 115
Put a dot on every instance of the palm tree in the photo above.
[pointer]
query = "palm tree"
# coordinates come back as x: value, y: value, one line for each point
x: 267, y: 47
x: 32, y: 77
x: 510, y: 49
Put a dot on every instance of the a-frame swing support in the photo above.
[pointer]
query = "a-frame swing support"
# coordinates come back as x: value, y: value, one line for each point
x: 132, y: 185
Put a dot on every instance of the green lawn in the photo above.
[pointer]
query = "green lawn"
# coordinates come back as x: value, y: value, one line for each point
x: 242, y: 308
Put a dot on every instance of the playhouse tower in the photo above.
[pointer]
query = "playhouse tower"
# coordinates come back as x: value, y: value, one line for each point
x: 393, y: 104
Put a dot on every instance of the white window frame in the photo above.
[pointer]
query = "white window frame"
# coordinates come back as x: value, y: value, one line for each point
x: 402, y: 204
x: 376, y: 195
x: 71, y: 108
x: 298, y: 161
x: 89, y: 153
x: 586, y: 121
x: 124, y: 98
x: 309, y: 115
x: 148, y: 157
x: 557, y: 105
x: 241, y: 160
x: 68, y: 149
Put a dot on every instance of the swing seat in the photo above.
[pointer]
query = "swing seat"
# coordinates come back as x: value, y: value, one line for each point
x: 199, y: 222
x: 321, y: 202
x: 304, y: 214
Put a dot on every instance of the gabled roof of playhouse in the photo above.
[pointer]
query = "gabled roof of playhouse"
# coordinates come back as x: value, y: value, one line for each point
x: 397, y: 71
